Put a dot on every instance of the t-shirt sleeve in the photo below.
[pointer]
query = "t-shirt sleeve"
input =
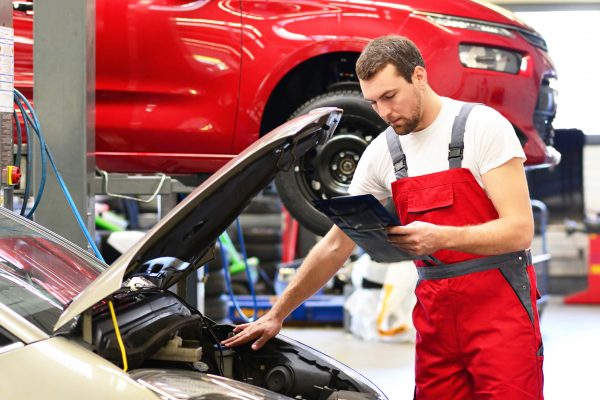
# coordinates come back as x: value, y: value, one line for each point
x: 495, y: 139
x: 371, y: 170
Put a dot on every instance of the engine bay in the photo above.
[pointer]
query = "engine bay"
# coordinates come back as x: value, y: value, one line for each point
x: 160, y: 331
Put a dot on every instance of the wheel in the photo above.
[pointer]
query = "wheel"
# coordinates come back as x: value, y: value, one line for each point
x: 264, y: 205
x: 216, y: 263
x: 215, y: 284
x: 265, y: 252
x: 256, y: 235
x: 327, y: 170
x: 216, y: 308
x: 261, y: 220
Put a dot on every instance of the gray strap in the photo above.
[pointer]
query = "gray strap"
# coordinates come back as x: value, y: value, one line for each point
x: 518, y: 279
x: 396, y: 152
x: 457, y: 144
x: 519, y: 258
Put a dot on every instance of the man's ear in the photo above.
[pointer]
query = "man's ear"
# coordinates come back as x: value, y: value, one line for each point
x: 419, y: 76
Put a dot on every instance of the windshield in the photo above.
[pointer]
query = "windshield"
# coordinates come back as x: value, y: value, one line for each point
x: 40, y: 273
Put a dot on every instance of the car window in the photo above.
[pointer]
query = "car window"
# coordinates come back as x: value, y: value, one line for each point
x: 28, y: 299
x: 39, y: 274
x: 46, y: 265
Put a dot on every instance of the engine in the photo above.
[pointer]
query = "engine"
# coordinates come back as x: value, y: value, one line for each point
x: 160, y: 331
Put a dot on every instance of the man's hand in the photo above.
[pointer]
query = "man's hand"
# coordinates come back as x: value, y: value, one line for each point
x: 417, y: 238
x: 262, y: 330
x: 321, y: 263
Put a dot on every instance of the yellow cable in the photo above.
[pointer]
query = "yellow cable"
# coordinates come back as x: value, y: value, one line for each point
x: 118, y: 334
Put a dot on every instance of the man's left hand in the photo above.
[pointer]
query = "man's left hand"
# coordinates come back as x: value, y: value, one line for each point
x: 417, y: 238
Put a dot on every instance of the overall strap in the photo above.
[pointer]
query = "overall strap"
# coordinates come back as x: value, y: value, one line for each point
x: 396, y: 152
x: 457, y: 144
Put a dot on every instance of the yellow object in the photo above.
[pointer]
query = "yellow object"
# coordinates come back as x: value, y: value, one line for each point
x: 9, y: 175
x: 118, y: 335
x: 384, y: 310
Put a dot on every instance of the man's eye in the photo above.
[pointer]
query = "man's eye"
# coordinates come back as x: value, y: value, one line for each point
x: 389, y: 96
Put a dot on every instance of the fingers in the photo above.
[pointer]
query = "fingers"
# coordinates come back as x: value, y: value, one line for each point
x: 417, y: 238
x: 404, y: 235
x: 240, y: 328
x: 401, y: 240
x: 243, y: 338
x: 259, y: 333
x: 406, y: 243
x: 396, y: 230
x: 240, y: 338
x: 260, y: 342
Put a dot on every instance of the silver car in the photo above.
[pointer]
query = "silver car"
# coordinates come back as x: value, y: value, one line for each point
x: 72, y: 327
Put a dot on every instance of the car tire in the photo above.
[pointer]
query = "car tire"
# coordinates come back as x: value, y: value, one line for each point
x: 216, y: 264
x: 215, y: 284
x: 263, y: 204
x: 217, y: 308
x: 327, y: 170
x: 265, y: 252
x: 261, y: 220
x: 257, y: 235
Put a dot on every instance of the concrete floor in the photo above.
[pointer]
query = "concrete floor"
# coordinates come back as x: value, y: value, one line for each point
x: 571, y: 343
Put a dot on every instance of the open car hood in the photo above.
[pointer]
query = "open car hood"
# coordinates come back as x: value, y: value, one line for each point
x: 184, y: 239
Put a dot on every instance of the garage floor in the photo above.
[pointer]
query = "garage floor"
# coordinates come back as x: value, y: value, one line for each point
x: 571, y: 342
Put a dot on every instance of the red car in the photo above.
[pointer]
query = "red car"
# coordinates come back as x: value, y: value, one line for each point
x: 183, y: 86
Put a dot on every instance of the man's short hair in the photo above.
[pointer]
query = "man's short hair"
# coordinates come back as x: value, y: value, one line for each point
x: 392, y: 49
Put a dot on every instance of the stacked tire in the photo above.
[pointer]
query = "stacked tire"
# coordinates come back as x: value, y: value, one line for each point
x: 215, y: 290
x: 261, y: 225
x: 261, y: 228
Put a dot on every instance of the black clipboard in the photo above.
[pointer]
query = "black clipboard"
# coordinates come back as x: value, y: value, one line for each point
x: 364, y: 219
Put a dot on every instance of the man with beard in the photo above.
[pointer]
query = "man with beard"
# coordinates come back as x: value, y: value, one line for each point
x: 455, y: 173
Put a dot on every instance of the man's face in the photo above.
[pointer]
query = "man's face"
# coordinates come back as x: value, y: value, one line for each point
x: 398, y: 102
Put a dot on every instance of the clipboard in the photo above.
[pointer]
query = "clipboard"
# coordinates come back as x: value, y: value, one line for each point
x: 364, y: 219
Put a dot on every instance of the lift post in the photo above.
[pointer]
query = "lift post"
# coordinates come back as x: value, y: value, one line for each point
x: 64, y: 93
x: 10, y: 172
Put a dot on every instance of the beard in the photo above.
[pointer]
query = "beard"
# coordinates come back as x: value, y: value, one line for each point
x: 405, y: 125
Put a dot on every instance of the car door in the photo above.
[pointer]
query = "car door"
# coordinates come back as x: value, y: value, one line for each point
x: 167, y: 84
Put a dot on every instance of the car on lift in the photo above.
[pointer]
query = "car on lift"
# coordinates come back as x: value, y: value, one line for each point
x: 184, y: 86
x: 64, y: 314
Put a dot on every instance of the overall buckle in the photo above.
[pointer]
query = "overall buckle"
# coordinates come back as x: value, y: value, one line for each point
x: 400, y: 165
x: 456, y: 151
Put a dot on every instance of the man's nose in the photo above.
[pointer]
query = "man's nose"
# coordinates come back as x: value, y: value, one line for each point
x: 385, y: 112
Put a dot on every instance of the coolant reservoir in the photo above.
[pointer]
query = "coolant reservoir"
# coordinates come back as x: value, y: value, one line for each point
x: 177, y: 349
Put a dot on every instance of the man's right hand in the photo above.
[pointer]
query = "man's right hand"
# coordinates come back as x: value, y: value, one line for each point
x: 321, y: 263
x: 260, y: 331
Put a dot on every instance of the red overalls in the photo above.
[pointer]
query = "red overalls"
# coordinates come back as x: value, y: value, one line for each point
x: 478, y: 332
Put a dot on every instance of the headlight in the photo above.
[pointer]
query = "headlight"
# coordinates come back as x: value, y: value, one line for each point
x: 468, y: 23
x: 190, y: 385
x: 490, y: 58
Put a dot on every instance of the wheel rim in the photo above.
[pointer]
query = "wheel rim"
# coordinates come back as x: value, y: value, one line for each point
x: 336, y: 162
x: 328, y: 170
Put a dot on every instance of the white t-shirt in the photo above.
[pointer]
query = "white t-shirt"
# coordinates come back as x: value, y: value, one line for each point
x: 489, y: 139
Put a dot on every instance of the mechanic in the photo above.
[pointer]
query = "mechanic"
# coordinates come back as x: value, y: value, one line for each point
x: 455, y: 173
